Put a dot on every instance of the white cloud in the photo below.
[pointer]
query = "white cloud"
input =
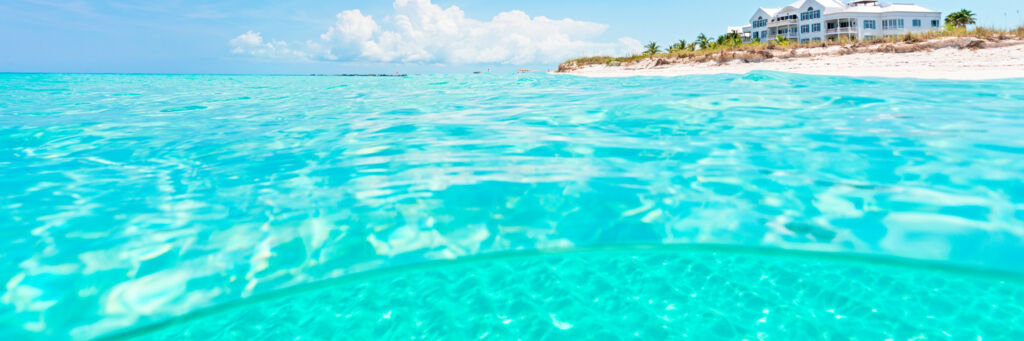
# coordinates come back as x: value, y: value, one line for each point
x: 422, y: 32
x: 252, y: 43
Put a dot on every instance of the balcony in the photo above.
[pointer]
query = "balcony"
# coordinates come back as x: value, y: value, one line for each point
x: 841, y: 30
x: 782, y: 22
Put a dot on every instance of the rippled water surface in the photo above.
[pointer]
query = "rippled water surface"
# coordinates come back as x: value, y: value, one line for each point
x: 631, y: 294
x: 130, y: 199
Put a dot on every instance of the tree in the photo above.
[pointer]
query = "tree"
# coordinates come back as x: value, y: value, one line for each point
x: 702, y: 41
x: 678, y: 46
x: 961, y: 18
x: 652, y: 48
x: 688, y: 47
x: 730, y: 39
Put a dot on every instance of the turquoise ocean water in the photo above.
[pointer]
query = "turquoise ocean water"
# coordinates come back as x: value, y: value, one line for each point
x: 759, y: 206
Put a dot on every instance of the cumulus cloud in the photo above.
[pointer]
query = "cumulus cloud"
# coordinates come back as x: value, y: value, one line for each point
x: 422, y: 32
x: 252, y: 43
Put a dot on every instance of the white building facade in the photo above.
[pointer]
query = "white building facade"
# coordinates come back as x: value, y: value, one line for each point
x: 816, y: 20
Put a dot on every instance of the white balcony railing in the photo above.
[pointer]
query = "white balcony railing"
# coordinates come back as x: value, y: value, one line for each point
x: 782, y: 22
x: 842, y: 30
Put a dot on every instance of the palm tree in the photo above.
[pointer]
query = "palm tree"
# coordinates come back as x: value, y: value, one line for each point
x: 683, y: 46
x: 781, y: 40
x: 652, y: 48
x: 961, y: 18
x: 679, y: 46
x: 730, y: 39
x: 702, y: 41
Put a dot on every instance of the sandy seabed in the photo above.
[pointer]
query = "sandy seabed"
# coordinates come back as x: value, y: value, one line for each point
x: 945, y: 63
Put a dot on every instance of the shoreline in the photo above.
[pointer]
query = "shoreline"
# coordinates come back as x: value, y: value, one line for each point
x: 952, y: 59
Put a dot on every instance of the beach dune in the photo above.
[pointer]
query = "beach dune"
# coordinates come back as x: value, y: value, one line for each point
x: 950, y: 58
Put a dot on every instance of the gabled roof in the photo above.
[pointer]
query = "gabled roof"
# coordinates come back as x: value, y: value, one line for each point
x: 838, y: 6
x: 767, y: 13
x: 801, y: 5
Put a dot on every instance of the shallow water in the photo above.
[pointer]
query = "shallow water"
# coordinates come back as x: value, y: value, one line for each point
x: 631, y: 293
x: 129, y: 199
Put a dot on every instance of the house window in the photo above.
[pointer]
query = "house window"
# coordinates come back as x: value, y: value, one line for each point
x: 760, y: 22
x: 869, y: 37
x: 917, y: 23
x: 869, y: 24
x: 892, y: 24
x: 935, y: 23
x: 815, y: 27
x: 805, y: 29
x: 810, y: 14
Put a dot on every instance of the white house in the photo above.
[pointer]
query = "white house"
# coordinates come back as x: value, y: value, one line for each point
x: 817, y: 20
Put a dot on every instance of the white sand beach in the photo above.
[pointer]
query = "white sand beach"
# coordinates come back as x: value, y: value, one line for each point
x: 1003, y: 60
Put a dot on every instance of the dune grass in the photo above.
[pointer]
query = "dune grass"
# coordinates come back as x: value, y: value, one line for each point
x: 758, y: 51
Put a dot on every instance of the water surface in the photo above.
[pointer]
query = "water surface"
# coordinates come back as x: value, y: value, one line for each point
x: 630, y: 293
x: 130, y: 199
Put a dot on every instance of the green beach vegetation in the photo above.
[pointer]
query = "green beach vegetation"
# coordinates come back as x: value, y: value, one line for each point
x: 731, y: 46
x: 960, y: 19
x: 681, y: 46
x: 651, y: 49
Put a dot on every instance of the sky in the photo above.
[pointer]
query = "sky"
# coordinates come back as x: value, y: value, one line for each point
x: 380, y: 36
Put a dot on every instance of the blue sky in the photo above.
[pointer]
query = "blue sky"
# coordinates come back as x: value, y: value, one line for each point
x: 234, y: 36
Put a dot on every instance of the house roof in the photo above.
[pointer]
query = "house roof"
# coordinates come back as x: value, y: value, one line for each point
x: 888, y: 8
x: 832, y: 3
x: 737, y: 29
x: 801, y: 4
x: 768, y: 13
x: 838, y: 6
